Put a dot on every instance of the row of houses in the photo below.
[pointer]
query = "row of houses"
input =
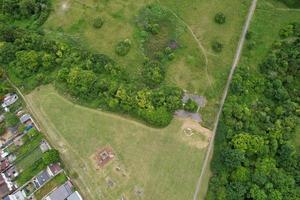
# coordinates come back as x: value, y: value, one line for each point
x: 17, y: 150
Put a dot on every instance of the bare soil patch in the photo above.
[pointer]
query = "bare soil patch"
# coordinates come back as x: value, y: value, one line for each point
x: 194, y: 134
x: 102, y: 157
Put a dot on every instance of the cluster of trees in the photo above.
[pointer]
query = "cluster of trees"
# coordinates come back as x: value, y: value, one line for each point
x: 254, y: 154
x: 159, y: 30
x: 38, y: 10
x: 93, y: 79
x: 291, y: 3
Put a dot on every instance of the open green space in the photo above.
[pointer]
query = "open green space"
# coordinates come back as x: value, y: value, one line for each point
x: 156, y: 162
x: 29, y: 159
x: 196, y: 67
x: 57, y: 181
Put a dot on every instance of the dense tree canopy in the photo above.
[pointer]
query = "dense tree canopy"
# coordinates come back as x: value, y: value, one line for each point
x: 254, y: 156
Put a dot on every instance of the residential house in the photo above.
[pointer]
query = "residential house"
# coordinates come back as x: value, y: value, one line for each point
x: 9, y: 99
x: 4, y: 164
x: 46, y: 175
x: 6, y: 186
x: 16, y: 196
x: 61, y: 193
x: 75, y: 196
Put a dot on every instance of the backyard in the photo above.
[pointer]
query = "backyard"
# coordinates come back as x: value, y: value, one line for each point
x: 147, y: 160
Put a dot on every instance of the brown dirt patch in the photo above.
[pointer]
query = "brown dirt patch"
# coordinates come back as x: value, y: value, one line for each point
x: 194, y: 134
x: 102, y: 157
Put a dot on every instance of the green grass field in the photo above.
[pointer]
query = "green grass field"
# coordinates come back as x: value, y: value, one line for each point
x: 72, y: 20
x: 29, y: 159
x: 159, y: 162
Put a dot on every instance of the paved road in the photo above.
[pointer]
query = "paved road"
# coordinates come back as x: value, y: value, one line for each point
x: 234, y: 65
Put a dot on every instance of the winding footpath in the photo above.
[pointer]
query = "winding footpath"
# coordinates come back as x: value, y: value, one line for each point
x: 234, y: 65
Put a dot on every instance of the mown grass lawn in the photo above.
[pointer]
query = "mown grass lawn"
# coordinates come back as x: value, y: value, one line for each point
x: 156, y: 161
x: 29, y: 159
x: 72, y: 20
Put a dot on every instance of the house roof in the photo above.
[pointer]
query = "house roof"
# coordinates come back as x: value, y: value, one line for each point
x: 75, y: 196
x: 9, y: 99
x: 16, y: 196
x: 24, y: 118
x: 62, y: 192
x: 55, y: 168
x: 4, y: 164
x: 4, y: 190
x: 42, y: 178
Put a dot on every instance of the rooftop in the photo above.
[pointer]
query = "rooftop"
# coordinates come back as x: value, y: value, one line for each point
x: 62, y: 192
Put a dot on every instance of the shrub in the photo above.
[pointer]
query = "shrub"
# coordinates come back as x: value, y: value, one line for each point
x: 11, y: 120
x: 123, y: 47
x: 2, y: 128
x: 217, y: 47
x: 220, y: 18
x: 98, y: 22
x: 171, y: 56
x: 159, y: 117
x: 153, y: 73
x: 191, y: 106
x: 51, y: 156
x: 152, y: 28
x: 287, y: 31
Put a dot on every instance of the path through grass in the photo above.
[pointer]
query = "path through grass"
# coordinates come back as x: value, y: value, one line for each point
x: 156, y: 161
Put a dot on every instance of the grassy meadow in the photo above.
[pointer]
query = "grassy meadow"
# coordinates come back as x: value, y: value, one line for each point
x: 195, y: 69
x: 153, y: 163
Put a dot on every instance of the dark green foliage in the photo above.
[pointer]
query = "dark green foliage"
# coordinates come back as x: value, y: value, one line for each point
x: 98, y: 22
x: 11, y: 120
x: 220, y: 18
x: 36, y: 10
x: 291, y: 3
x: 254, y: 157
x: 31, y: 59
x: 158, y: 28
x: 31, y: 171
x: 153, y: 73
x: 123, y: 47
x: 191, y: 106
x: 51, y: 156
x: 217, y: 46
x: 2, y: 128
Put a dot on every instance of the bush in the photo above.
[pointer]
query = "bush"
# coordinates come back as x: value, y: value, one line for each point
x: 123, y: 47
x: 191, y: 106
x: 98, y: 22
x: 159, y: 117
x: 153, y: 73
x: 51, y: 156
x: 2, y: 128
x: 291, y: 3
x: 220, y: 18
x: 152, y: 28
x: 11, y: 120
x: 217, y: 47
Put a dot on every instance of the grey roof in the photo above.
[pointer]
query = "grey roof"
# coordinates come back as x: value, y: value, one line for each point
x: 74, y: 196
x: 62, y: 192
x: 42, y: 178
x: 25, y: 118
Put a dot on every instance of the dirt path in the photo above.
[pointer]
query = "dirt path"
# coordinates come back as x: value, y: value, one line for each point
x: 201, y: 47
x: 234, y: 65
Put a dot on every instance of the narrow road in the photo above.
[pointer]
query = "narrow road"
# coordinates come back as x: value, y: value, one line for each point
x: 234, y: 65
